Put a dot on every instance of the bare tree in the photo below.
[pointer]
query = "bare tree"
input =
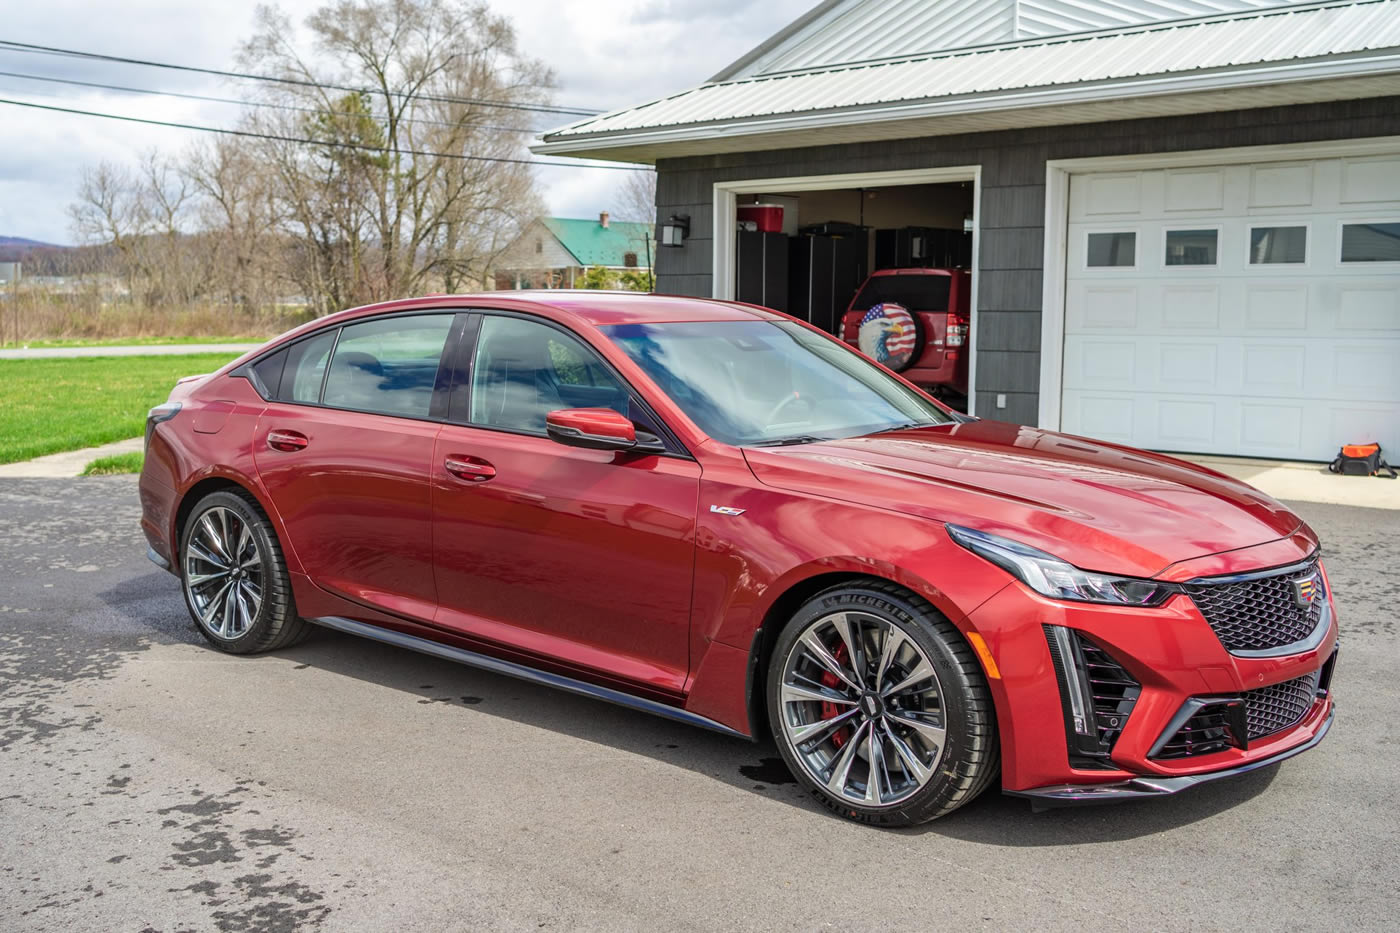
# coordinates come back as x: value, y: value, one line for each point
x: 238, y: 216
x: 410, y: 188
x: 637, y: 197
x: 108, y: 212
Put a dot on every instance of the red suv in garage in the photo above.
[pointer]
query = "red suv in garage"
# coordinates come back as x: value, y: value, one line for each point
x: 915, y: 321
x: 719, y: 514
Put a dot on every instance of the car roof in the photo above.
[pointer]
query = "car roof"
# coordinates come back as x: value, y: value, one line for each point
x: 590, y: 306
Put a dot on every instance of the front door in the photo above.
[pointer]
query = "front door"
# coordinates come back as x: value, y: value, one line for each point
x: 581, y: 555
x: 345, y: 455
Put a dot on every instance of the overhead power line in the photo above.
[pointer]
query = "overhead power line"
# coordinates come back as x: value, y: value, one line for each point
x: 243, y: 76
x: 315, y: 142
x: 239, y: 102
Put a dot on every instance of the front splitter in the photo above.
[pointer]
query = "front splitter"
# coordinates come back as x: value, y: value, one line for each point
x: 1155, y: 786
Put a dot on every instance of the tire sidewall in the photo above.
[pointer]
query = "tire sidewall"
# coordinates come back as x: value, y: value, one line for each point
x: 258, y: 525
x: 952, y: 680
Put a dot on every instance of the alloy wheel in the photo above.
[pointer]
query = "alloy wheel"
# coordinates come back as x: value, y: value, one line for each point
x: 862, y: 708
x: 223, y: 571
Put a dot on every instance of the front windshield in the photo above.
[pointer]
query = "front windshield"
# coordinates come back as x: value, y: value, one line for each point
x: 751, y: 383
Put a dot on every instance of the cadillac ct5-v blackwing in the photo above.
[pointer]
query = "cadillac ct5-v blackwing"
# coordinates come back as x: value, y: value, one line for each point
x: 716, y: 513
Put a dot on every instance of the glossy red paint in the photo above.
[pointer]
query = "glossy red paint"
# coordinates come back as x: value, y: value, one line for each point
x: 614, y: 567
x: 591, y: 427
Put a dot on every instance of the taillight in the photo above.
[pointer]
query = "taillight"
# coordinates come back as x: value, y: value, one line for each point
x: 957, y: 331
x: 162, y: 412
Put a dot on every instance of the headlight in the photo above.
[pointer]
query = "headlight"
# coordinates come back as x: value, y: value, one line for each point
x: 1050, y: 576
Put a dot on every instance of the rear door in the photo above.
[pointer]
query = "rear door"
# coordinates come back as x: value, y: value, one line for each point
x: 345, y: 452
x: 584, y: 556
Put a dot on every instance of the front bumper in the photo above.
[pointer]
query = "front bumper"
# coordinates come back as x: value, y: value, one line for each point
x: 1173, y: 654
x: 1152, y: 786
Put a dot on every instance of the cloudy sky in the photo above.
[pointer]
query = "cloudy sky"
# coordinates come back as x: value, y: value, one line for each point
x: 605, y: 55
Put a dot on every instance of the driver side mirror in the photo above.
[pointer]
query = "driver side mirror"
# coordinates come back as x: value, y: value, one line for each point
x: 591, y: 428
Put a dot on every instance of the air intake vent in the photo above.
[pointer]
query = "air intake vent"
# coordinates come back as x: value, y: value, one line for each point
x: 1097, y: 695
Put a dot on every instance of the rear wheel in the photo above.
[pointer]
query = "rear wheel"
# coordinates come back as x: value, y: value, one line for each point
x: 880, y: 708
x: 235, y: 580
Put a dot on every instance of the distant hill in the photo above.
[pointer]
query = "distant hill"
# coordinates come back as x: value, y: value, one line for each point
x: 23, y: 249
x: 24, y: 241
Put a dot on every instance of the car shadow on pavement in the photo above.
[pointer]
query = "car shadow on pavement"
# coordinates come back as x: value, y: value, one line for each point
x: 993, y: 819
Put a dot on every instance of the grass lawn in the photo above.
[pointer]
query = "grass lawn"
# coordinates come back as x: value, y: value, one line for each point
x: 48, y: 406
x: 123, y: 342
x: 117, y: 463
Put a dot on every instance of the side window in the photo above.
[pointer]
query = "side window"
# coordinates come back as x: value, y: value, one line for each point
x: 305, y: 368
x: 266, y: 374
x: 524, y: 370
x: 388, y: 366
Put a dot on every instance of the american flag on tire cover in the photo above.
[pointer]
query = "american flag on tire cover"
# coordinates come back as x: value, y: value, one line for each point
x: 887, y: 332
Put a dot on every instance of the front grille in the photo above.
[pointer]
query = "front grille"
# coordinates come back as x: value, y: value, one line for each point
x: 1260, y: 614
x: 1273, y: 709
x: 1218, y: 724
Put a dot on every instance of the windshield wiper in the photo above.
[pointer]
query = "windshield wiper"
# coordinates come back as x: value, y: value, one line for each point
x: 789, y: 441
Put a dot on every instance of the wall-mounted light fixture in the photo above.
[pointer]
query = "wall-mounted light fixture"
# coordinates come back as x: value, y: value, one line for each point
x: 675, y: 230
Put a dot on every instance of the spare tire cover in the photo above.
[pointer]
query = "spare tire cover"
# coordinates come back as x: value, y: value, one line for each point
x: 891, y: 335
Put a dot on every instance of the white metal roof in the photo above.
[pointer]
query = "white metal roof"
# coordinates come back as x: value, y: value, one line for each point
x: 1274, y: 47
x: 842, y: 31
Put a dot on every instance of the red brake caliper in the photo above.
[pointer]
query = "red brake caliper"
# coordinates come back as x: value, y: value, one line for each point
x: 832, y: 710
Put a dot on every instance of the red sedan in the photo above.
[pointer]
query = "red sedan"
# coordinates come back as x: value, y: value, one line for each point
x: 718, y: 514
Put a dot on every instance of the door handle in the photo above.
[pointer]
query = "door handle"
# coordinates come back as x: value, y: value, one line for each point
x: 286, y: 441
x: 471, y: 469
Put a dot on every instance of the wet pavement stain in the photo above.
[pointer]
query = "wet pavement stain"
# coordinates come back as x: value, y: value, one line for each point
x: 768, y: 771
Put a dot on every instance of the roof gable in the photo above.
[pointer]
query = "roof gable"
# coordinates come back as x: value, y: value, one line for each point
x: 592, y: 244
x: 1298, y: 54
x: 839, y: 32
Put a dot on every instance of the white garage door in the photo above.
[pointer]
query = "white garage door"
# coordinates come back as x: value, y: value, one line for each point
x: 1241, y: 309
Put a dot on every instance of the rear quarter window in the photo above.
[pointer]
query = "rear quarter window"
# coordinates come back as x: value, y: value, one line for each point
x: 914, y: 292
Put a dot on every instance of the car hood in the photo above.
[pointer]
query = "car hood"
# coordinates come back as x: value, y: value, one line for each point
x: 1098, y: 506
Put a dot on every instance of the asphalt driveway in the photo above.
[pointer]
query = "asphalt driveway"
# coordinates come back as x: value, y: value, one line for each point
x: 147, y: 782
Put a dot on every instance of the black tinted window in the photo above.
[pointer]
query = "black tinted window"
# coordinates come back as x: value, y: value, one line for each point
x: 266, y: 374
x: 914, y: 292
x: 305, y: 368
x: 388, y: 366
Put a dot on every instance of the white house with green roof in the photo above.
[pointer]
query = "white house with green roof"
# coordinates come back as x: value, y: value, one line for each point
x: 552, y: 252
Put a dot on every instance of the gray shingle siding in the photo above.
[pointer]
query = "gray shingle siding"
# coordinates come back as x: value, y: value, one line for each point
x: 1011, y: 243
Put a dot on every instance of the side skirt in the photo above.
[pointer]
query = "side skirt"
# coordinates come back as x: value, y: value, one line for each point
x: 522, y: 672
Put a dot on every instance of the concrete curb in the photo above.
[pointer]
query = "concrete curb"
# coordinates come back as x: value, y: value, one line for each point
x: 163, y: 349
x: 70, y: 462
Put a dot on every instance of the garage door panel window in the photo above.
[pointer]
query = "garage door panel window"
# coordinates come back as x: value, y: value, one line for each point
x: 1192, y: 247
x: 1371, y: 242
x: 1278, y: 245
x: 1112, y: 250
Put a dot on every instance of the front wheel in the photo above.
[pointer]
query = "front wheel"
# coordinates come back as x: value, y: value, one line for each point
x: 880, y: 708
x: 235, y: 581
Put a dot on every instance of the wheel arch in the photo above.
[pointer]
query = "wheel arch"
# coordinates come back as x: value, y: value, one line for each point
x: 215, y: 482
x: 795, y: 593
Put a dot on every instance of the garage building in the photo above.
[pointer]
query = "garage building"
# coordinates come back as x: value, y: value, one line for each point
x: 1183, y: 218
